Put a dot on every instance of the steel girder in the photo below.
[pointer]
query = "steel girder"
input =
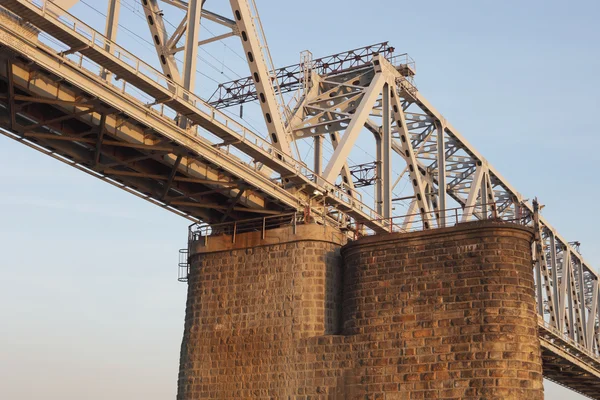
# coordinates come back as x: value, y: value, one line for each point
x: 246, y: 24
x: 214, y: 132
x: 164, y: 44
x: 92, y: 136
x: 259, y: 60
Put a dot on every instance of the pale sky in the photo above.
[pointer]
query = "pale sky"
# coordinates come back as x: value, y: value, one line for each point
x: 89, y: 301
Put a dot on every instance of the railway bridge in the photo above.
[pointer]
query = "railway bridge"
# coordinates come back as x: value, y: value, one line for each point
x: 341, y: 254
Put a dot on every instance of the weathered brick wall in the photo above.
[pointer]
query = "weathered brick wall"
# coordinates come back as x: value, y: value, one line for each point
x: 441, y: 314
x: 457, y: 306
x: 248, y: 306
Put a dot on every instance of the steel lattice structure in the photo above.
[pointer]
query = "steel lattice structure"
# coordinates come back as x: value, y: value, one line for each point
x: 89, y: 102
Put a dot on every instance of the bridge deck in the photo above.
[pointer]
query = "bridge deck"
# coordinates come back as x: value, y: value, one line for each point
x: 569, y: 365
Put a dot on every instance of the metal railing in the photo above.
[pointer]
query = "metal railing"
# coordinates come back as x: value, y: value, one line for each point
x: 405, y: 223
x: 203, y: 230
x: 575, y: 347
x: 447, y: 218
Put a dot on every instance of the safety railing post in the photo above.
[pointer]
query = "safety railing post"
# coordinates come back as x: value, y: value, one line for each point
x: 234, y: 232
x: 264, y: 227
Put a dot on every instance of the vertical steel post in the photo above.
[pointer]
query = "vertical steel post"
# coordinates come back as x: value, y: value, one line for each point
x: 441, y: 158
x: 570, y: 304
x: 484, y: 195
x: 386, y: 156
x: 161, y: 43
x: 110, y: 31
x: 191, y: 50
x: 554, y: 269
x: 562, y: 307
x: 538, y: 278
x: 318, y: 155
x: 379, y: 176
x: 191, y: 44
x: 591, y: 323
x: 581, y: 298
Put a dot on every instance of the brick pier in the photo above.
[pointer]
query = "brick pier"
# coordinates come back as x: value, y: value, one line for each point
x: 447, y: 313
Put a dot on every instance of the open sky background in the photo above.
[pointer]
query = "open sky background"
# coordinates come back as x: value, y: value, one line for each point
x: 90, y: 307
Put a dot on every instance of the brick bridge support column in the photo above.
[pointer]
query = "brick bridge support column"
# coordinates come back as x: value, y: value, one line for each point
x: 447, y: 313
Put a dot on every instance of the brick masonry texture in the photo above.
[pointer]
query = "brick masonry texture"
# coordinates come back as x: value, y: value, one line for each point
x: 447, y: 314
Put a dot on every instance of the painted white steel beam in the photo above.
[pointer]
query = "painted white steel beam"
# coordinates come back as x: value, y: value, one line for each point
x: 65, y: 4
x: 564, y: 292
x: 112, y: 19
x: 209, y: 15
x: 205, y: 41
x: 160, y: 39
x: 177, y: 35
x: 591, y: 323
x: 318, y: 154
x: 191, y: 44
x: 441, y: 176
x: 348, y: 185
x: 474, y: 192
x: 112, y: 24
x: 383, y: 188
x: 357, y: 123
x: 407, y: 150
x: 255, y: 50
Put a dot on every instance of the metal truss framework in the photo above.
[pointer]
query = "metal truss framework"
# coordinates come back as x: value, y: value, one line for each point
x: 80, y: 103
x: 291, y: 78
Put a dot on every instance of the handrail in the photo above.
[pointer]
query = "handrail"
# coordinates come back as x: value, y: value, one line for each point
x: 198, y: 230
x: 453, y: 216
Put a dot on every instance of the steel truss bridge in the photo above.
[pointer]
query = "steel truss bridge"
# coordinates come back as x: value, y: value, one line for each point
x: 72, y: 93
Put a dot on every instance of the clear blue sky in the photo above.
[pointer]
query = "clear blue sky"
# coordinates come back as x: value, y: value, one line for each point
x: 88, y: 294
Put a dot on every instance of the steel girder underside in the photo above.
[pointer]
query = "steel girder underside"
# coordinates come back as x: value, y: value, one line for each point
x: 44, y: 111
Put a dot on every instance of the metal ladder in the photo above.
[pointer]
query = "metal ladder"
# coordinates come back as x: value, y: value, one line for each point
x: 184, y: 265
